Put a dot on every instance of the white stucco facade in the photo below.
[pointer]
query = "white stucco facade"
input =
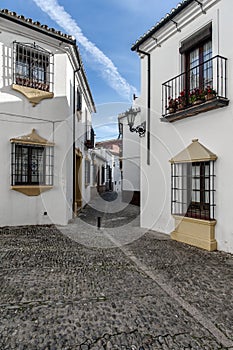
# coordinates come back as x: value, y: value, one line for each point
x: 213, y: 128
x: 130, y: 157
x: 108, y: 168
x: 52, y: 118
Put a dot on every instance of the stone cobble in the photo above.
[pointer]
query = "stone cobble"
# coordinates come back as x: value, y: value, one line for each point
x: 57, y: 293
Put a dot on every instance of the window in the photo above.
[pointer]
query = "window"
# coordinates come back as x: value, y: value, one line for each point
x: 197, y: 54
x: 193, y: 190
x: 87, y: 171
x: 201, y: 86
x: 79, y: 101
x: 199, y: 66
x: 31, y: 164
x: 103, y: 175
x: 95, y: 174
x: 33, y: 66
x: 193, y: 182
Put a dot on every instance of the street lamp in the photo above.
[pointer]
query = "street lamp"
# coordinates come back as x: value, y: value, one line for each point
x: 131, y: 115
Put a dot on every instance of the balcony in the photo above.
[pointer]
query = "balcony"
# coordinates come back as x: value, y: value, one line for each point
x: 90, y: 139
x: 199, y: 90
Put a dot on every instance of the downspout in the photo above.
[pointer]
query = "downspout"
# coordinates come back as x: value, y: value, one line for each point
x: 74, y: 135
x: 148, y: 102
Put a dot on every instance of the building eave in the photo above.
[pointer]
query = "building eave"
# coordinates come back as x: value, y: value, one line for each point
x: 54, y: 34
x: 174, y: 12
x: 36, y: 26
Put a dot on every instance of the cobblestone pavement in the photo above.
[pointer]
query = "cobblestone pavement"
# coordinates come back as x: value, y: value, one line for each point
x: 67, y: 288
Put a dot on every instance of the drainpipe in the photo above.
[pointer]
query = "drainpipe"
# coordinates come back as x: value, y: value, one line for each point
x: 148, y: 102
x: 74, y: 149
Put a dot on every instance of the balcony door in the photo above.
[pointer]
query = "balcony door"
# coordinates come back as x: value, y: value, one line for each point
x: 199, y: 67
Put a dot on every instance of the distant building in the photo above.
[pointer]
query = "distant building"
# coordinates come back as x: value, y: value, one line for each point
x: 114, y: 146
x: 111, y: 151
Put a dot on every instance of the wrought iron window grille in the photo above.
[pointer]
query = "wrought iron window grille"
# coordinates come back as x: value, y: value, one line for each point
x: 31, y: 164
x: 87, y: 172
x: 90, y: 137
x: 193, y: 190
x: 33, y: 66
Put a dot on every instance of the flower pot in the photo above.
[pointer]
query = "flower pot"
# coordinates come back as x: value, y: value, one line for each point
x: 181, y: 106
x: 172, y: 110
x: 209, y: 97
x: 197, y: 102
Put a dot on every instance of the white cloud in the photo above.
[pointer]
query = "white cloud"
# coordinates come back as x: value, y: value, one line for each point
x: 104, y: 64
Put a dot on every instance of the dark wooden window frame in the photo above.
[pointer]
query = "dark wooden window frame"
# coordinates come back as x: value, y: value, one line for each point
x: 185, y: 184
x: 22, y: 174
x: 198, y: 208
x: 200, y: 65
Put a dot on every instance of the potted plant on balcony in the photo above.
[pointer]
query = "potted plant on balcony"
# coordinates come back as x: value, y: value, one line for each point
x: 182, y: 99
x: 196, y: 96
x: 209, y: 93
x: 172, y: 104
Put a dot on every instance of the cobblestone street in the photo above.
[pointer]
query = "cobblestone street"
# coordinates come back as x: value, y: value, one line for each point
x: 117, y: 287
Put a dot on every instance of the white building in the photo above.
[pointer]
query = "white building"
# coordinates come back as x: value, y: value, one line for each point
x: 130, y: 159
x: 187, y: 158
x: 108, y: 166
x: 45, y: 118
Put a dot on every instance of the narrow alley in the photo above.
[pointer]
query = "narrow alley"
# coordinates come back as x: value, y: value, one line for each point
x: 111, y: 287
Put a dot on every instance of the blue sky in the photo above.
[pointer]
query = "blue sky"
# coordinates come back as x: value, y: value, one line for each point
x: 105, y: 31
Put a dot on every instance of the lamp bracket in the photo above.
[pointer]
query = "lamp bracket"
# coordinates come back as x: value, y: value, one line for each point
x: 140, y: 129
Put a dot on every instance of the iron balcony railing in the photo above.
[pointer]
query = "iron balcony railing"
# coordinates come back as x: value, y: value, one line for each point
x: 204, y: 82
x: 90, y: 138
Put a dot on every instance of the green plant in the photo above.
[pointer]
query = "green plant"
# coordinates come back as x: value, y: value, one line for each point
x: 196, y: 95
x: 172, y: 103
x: 182, y: 98
x: 209, y: 91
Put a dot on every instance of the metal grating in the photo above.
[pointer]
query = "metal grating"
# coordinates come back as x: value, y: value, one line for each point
x: 31, y: 165
x: 33, y: 67
x: 193, y: 190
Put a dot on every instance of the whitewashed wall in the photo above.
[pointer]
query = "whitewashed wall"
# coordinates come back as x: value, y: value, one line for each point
x: 17, y: 208
x: 213, y: 128
x: 131, y: 157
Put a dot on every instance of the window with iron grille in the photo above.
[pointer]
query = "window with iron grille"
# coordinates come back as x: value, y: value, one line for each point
x: 192, y: 190
x: 31, y: 165
x: 103, y: 175
x: 94, y: 174
x: 87, y: 172
x: 79, y: 100
x: 33, y: 66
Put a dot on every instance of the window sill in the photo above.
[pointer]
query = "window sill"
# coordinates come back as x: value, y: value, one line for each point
x: 33, y: 95
x: 218, y: 102
x: 195, y: 220
x: 196, y: 232
x: 31, y: 190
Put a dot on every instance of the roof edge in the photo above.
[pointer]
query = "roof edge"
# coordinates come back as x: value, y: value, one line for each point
x: 180, y: 7
x: 29, y: 23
